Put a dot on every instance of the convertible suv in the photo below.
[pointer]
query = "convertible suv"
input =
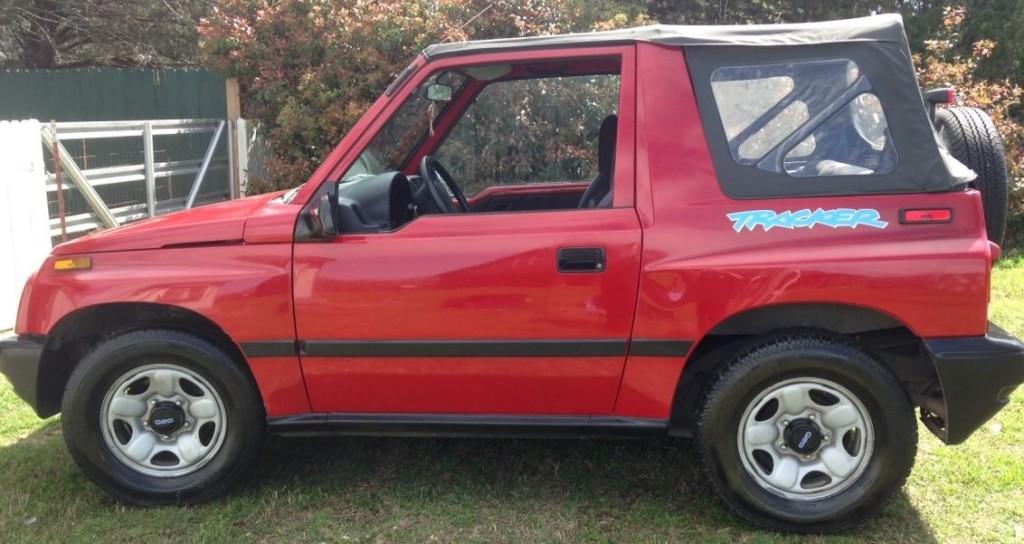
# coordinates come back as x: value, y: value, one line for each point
x: 763, y: 237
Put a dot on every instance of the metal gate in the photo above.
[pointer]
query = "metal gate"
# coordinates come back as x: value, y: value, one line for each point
x: 83, y: 198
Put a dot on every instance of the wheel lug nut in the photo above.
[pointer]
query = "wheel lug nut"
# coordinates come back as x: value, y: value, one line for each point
x: 178, y: 402
x: 810, y: 417
x: 785, y: 422
x: 782, y: 446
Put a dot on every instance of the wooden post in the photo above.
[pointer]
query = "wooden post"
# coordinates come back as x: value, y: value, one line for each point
x: 234, y: 111
x: 234, y: 104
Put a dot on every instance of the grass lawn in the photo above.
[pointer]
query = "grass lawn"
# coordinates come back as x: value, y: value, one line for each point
x: 419, y: 490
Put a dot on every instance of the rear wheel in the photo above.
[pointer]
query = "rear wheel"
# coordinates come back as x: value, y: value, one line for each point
x: 162, y: 417
x: 972, y: 138
x: 807, y: 433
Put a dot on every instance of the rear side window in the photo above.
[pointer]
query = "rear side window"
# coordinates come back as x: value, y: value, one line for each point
x: 804, y: 119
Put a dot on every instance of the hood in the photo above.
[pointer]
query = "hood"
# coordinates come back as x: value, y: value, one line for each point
x: 216, y: 223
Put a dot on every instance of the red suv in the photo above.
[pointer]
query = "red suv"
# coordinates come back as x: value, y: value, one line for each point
x: 763, y: 237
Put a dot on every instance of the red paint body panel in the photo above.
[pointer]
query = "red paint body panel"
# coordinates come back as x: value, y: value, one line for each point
x: 272, y: 224
x: 676, y: 269
x: 698, y: 271
x: 465, y: 385
x: 243, y: 289
x: 649, y: 386
x: 470, y: 277
x: 281, y: 385
x: 221, y: 222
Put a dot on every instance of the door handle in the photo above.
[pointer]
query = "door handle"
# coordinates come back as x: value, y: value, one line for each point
x: 582, y: 259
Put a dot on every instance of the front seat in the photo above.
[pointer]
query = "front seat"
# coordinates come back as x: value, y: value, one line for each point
x: 599, y: 193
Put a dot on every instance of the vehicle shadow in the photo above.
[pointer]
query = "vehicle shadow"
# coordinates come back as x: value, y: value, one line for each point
x: 656, y: 487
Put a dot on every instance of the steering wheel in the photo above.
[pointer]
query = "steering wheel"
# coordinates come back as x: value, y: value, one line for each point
x: 437, y: 179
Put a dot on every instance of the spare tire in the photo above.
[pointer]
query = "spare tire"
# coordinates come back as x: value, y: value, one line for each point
x: 971, y: 136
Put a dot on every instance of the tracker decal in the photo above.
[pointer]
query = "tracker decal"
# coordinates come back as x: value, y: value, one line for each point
x: 806, y: 219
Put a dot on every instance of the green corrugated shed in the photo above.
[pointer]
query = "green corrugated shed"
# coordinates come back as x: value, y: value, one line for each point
x: 104, y: 94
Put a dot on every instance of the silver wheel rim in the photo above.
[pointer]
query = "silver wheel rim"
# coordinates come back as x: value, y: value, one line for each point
x: 140, y: 405
x: 840, y: 420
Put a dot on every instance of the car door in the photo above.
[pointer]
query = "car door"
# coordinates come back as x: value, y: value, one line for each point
x: 476, y: 313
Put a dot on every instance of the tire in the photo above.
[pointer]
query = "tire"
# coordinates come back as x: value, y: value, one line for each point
x: 823, y: 365
x: 149, y: 369
x: 972, y: 138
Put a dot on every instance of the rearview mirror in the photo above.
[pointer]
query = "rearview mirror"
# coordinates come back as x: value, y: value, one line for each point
x: 439, y: 93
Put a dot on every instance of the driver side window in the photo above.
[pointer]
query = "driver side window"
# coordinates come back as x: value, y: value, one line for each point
x: 536, y: 136
x: 535, y: 131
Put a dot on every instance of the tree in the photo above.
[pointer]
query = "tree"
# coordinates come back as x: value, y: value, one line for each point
x: 63, y: 34
x: 997, y: 20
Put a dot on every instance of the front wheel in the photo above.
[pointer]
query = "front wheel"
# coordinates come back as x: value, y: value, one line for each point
x: 806, y: 432
x: 162, y: 417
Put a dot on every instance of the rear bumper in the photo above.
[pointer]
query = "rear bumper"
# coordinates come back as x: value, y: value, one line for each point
x: 977, y: 375
x: 19, y: 361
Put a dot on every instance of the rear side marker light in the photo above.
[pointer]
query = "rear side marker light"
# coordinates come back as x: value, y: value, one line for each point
x: 72, y: 263
x: 943, y: 95
x: 925, y: 216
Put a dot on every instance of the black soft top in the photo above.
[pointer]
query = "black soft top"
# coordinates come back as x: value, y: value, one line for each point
x: 877, y: 28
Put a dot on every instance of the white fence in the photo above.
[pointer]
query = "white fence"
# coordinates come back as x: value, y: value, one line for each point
x: 24, y: 217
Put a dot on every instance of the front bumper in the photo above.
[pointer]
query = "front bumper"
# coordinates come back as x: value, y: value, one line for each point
x: 977, y: 375
x: 19, y: 361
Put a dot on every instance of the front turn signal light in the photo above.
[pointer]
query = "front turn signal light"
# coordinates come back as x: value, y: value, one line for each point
x: 72, y: 263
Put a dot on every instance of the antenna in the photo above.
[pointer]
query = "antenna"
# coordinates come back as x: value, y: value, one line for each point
x: 448, y: 36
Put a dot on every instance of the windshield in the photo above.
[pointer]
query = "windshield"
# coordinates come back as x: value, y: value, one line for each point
x: 390, y: 148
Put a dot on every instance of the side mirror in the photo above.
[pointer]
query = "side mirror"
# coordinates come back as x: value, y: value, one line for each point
x: 439, y: 93
x: 321, y: 218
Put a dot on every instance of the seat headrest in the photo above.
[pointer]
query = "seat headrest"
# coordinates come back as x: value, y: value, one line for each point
x: 606, y: 143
